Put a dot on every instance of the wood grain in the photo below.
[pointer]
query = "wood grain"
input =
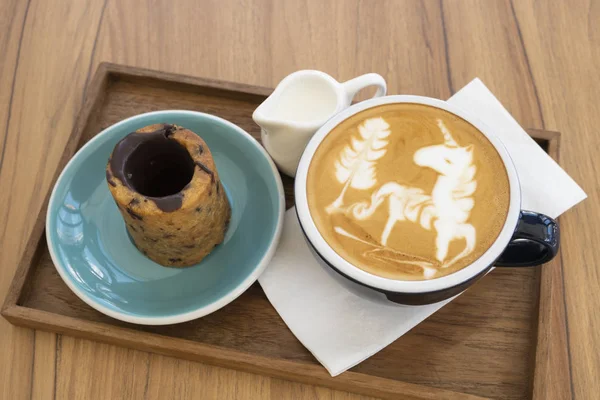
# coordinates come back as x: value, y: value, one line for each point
x: 258, y: 42
x: 31, y: 142
x: 484, y: 41
x: 44, y: 362
x: 205, y: 382
x: 16, y: 346
x: 328, y: 36
x: 500, y: 311
x: 126, y: 380
x: 563, y: 45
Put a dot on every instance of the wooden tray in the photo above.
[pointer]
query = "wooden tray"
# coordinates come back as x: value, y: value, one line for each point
x: 505, y: 338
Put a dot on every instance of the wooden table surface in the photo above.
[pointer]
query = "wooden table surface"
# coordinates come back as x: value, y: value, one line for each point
x: 541, y: 59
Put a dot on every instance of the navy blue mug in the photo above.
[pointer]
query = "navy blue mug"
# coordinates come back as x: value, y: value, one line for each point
x: 527, y: 238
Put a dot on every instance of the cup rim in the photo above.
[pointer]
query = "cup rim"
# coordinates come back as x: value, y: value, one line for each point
x: 200, y: 311
x: 405, y: 286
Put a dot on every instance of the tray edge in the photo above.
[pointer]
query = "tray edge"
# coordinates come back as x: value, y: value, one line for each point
x: 130, y: 338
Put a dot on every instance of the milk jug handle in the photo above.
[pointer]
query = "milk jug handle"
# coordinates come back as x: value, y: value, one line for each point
x: 355, y: 85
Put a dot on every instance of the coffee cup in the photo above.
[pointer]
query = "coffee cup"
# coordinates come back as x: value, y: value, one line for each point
x: 415, y: 198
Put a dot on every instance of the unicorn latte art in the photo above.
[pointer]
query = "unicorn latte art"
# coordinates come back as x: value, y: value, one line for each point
x: 408, y: 191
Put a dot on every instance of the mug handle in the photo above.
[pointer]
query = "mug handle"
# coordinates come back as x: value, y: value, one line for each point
x: 355, y: 85
x: 534, y: 242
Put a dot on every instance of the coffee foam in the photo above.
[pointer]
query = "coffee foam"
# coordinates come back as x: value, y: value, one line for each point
x: 408, y: 191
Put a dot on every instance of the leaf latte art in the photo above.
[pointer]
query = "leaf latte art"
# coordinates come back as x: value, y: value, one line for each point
x: 356, y: 166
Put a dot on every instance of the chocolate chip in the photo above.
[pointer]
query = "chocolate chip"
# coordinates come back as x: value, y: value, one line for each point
x: 200, y: 149
x: 133, y: 202
x: 144, y: 251
x: 133, y: 214
x: 199, y: 209
x: 169, y: 129
x: 174, y: 260
x: 132, y: 227
x: 189, y: 246
x: 207, y: 170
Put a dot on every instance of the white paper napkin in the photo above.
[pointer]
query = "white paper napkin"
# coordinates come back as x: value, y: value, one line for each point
x: 342, y: 323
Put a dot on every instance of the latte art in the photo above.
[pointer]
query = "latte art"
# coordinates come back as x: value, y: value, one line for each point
x: 356, y: 165
x: 419, y: 193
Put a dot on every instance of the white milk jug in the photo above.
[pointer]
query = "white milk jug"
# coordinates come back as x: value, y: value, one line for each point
x: 299, y: 106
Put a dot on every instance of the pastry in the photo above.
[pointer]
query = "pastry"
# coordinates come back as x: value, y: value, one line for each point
x: 167, y: 188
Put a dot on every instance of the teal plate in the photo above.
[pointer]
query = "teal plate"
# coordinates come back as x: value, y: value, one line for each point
x: 95, y: 257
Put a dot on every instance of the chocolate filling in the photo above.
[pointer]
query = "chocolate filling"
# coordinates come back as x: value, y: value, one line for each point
x: 109, y: 179
x: 154, y: 165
